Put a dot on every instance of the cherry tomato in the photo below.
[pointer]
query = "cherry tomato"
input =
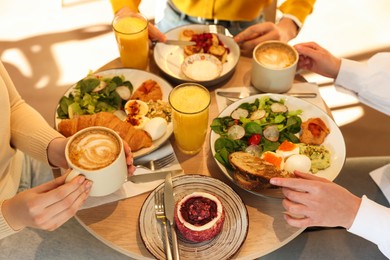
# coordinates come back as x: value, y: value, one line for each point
x: 254, y: 139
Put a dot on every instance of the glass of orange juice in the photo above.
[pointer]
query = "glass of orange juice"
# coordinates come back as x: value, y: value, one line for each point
x: 190, y: 115
x: 131, y: 33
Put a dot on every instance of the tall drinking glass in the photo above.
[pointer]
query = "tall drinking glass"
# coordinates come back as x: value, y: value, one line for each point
x: 131, y: 33
x: 190, y: 114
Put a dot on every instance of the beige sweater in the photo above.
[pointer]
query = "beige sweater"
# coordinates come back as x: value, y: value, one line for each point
x: 21, y: 129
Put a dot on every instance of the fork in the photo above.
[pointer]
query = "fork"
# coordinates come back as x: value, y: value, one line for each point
x: 160, y: 216
x: 214, y: 28
x: 157, y: 164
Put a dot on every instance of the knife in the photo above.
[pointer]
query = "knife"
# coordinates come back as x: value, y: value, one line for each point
x: 176, y: 42
x: 244, y: 94
x: 169, y: 205
x: 152, y: 176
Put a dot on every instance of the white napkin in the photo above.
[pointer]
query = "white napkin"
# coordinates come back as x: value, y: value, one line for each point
x: 305, y: 87
x: 381, y: 177
x: 130, y: 189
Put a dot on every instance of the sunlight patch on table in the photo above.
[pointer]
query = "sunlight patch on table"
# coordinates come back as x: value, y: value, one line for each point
x: 347, y: 115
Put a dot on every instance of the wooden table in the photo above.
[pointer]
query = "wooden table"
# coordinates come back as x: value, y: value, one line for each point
x: 116, y: 224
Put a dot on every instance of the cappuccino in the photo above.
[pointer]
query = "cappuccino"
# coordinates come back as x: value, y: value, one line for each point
x: 274, y: 66
x: 94, y: 149
x: 275, y: 55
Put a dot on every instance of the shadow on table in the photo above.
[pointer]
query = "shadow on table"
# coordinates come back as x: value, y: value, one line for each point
x: 40, y: 85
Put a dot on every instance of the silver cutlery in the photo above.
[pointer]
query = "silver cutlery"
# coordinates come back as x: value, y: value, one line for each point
x: 160, y: 216
x: 157, y: 164
x: 244, y: 94
x: 219, y: 29
x: 169, y: 205
x: 176, y: 42
x: 152, y: 176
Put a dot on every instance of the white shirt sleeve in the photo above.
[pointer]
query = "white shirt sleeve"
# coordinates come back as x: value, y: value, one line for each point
x: 372, y: 222
x: 370, y: 81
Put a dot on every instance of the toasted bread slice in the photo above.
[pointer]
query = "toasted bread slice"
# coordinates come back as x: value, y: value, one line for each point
x: 253, y: 173
x: 186, y: 35
x: 219, y: 51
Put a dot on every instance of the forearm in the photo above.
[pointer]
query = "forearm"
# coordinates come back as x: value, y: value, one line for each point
x: 30, y: 132
x: 372, y: 222
x: 56, y: 152
x: 290, y: 29
x: 5, y: 228
x: 368, y: 80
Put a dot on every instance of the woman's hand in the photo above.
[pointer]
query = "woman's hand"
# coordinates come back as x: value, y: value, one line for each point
x: 46, y: 206
x: 154, y: 33
x: 314, y: 58
x: 318, y: 201
x: 248, y: 39
x: 129, y: 159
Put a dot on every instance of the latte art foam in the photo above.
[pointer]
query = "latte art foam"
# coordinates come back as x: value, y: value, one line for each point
x: 94, y: 150
x: 275, y: 56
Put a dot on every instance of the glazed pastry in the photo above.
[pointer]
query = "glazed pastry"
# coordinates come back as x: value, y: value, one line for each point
x: 199, y: 216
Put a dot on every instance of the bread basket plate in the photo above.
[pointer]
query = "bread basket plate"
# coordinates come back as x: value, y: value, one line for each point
x: 223, y: 246
x: 334, y: 142
x: 136, y: 77
x: 169, y: 58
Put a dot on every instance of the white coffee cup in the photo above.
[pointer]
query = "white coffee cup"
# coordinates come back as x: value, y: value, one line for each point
x: 274, y: 66
x: 98, y: 154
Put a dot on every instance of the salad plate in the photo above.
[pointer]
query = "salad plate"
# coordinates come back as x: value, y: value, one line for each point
x: 136, y: 78
x: 169, y: 58
x: 223, y: 246
x: 334, y: 142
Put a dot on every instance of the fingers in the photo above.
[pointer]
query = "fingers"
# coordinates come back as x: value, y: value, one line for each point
x: 66, y: 202
x: 56, y: 190
x: 300, y: 222
x: 309, y: 176
x: 255, y: 34
x: 129, y: 159
x: 65, y: 209
x: 156, y: 34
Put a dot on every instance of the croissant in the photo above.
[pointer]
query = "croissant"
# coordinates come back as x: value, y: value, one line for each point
x: 149, y: 90
x: 136, y: 138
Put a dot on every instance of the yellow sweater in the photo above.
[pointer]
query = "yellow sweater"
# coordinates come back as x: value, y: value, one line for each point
x: 21, y: 129
x: 231, y: 10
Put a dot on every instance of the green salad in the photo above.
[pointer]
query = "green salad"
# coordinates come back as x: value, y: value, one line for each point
x: 255, y: 128
x: 95, y: 94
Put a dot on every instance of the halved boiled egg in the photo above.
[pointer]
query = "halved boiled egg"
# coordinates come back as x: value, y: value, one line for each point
x: 136, y: 111
x: 156, y: 127
x: 136, y: 107
x: 298, y: 162
x: 273, y: 158
x: 287, y: 148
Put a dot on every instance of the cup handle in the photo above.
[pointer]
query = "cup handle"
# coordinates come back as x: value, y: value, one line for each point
x: 72, y: 175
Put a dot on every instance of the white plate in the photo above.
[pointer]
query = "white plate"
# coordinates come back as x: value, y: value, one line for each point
x: 334, y: 141
x: 136, y: 78
x: 223, y: 246
x: 170, y: 57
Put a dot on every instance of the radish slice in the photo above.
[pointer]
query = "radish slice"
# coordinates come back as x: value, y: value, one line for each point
x: 258, y: 114
x: 124, y: 92
x: 271, y: 133
x: 254, y: 150
x: 101, y: 86
x: 239, y: 113
x: 236, y: 132
x: 278, y: 108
